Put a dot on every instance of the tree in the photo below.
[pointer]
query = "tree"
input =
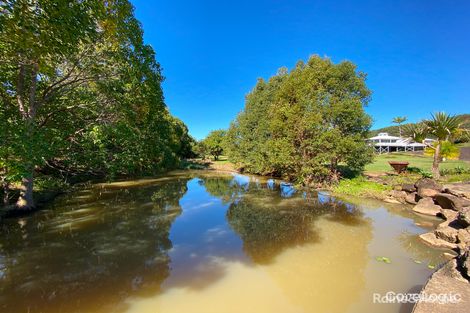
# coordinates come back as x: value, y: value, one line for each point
x: 399, y: 120
x: 81, y: 93
x: 304, y: 125
x: 214, y: 142
x: 40, y: 57
x: 441, y: 126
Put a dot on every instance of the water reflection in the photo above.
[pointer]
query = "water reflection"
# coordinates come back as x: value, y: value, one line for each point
x: 88, y: 253
x: 201, y: 242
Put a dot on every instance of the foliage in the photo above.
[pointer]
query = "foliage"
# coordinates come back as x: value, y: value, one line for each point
x: 399, y: 120
x: 448, y: 150
x: 444, y: 128
x: 394, y: 130
x: 420, y: 171
x: 303, y: 124
x: 360, y: 187
x: 214, y: 143
x: 81, y: 92
x: 455, y: 171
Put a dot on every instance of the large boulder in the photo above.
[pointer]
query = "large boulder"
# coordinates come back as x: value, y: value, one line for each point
x: 427, y: 192
x: 446, y: 280
x: 427, y: 187
x: 451, y: 202
x: 428, y: 183
x: 431, y: 239
x: 426, y: 206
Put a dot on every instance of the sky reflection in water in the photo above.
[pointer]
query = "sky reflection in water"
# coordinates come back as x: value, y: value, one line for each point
x: 207, y: 242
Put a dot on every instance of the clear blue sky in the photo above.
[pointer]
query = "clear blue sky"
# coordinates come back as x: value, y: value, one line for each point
x: 416, y: 53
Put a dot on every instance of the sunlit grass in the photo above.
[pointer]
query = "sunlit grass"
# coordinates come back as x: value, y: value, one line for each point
x: 380, y: 163
x: 361, y: 187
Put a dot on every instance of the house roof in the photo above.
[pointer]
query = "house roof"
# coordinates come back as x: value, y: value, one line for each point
x: 399, y: 141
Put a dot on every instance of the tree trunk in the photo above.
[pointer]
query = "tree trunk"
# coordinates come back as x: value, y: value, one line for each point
x: 28, y: 108
x: 6, y: 191
x: 436, y: 161
x: 26, y: 201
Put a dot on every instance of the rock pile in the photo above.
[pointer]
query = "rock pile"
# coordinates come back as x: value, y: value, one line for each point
x: 452, y: 204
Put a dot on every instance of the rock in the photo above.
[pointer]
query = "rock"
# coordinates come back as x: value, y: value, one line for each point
x: 431, y: 239
x: 427, y: 192
x: 446, y: 280
x: 428, y: 183
x: 458, y: 189
x: 398, y: 195
x: 390, y: 199
x: 463, y: 236
x: 411, y: 198
x: 451, y: 202
x: 464, y: 217
x: 449, y: 215
x: 463, y: 262
x: 426, y: 206
x: 449, y: 256
x: 408, y: 188
x: 448, y: 234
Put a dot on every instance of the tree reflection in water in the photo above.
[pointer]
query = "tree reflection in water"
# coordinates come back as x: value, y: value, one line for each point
x: 89, y: 251
x: 270, y: 216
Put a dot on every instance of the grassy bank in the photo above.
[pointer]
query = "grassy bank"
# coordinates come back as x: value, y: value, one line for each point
x: 421, y: 162
x: 361, y: 187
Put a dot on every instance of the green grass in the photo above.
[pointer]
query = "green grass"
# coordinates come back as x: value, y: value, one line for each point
x: 222, y: 159
x: 361, y: 187
x: 424, y: 163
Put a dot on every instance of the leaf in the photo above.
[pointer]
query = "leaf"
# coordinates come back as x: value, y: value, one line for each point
x: 417, y: 261
x: 383, y: 259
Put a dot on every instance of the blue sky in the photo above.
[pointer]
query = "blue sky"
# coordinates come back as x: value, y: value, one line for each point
x: 416, y: 53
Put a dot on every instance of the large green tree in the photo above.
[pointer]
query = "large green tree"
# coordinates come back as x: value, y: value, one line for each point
x: 215, y: 143
x: 304, y: 124
x: 81, y: 92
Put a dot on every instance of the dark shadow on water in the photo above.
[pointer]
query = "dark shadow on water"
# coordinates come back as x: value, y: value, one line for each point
x: 89, y: 251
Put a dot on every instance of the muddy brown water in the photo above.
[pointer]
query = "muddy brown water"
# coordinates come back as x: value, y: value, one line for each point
x: 206, y: 242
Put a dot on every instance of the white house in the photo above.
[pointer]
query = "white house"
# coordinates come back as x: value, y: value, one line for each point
x: 384, y: 143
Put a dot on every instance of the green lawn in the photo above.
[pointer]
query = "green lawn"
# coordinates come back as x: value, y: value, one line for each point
x: 380, y: 163
x: 222, y: 159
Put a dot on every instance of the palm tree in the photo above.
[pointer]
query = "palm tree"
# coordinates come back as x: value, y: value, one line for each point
x: 443, y: 127
x: 399, y: 120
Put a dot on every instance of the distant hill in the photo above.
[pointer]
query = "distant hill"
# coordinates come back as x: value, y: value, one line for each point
x: 393, y: 130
